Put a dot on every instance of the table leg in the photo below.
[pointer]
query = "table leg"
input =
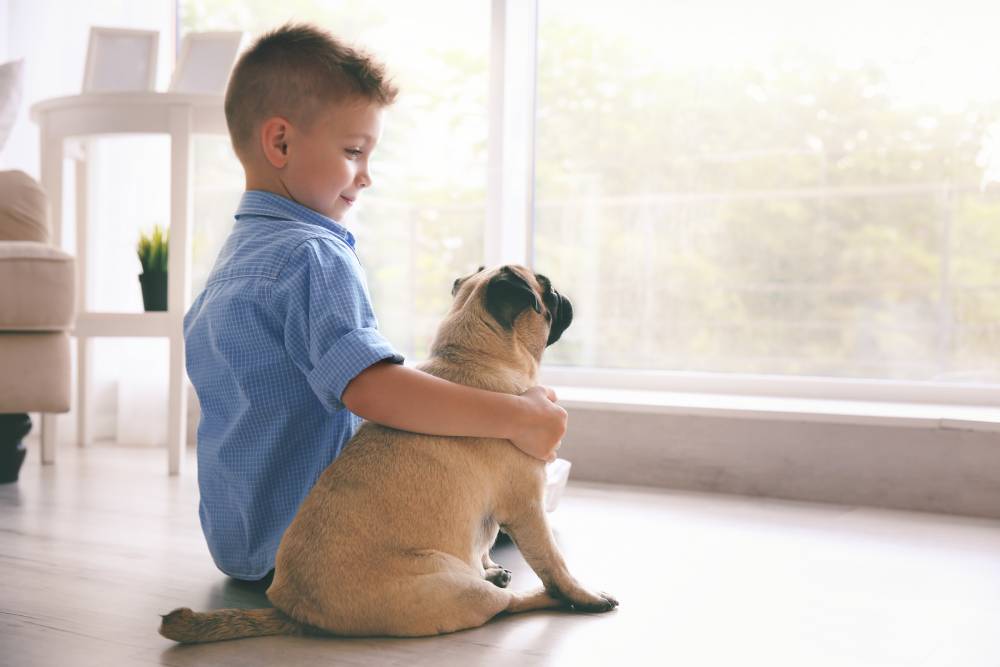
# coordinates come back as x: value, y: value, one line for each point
x: 179, y: 276
x: 49, y: 437
x: 177, y: 424
x: 84, y: 364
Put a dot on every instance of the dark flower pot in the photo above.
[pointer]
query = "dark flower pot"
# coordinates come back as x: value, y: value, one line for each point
x: 154, y: 290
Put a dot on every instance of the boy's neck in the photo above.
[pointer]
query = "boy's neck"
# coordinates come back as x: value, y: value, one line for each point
x: 275, y: 187
x: 272, y: 185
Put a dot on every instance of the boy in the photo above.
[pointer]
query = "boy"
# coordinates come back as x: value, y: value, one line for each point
x: 283, y: 338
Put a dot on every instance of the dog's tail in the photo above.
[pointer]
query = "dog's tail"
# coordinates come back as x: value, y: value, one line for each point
x: 186, y: 626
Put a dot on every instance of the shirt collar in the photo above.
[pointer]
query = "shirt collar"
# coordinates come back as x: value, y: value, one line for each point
x: 270, y: 205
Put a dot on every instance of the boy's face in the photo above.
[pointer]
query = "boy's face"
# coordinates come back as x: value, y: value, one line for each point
x: 328, y: 162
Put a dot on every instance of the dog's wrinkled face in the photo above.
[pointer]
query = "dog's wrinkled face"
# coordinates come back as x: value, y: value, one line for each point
x: 511, y: 291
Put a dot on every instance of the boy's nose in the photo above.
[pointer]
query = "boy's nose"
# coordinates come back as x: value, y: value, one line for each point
x: 363, y: 179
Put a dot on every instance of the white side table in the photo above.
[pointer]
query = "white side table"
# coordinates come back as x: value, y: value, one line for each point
x: 180, y: 115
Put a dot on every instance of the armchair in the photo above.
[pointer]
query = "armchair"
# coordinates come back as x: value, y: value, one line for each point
x: 37, y: 306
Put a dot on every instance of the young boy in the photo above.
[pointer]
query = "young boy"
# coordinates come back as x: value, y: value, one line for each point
x: 283, y: 338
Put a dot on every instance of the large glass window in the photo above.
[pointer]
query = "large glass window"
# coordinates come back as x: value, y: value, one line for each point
x: 421, y: 225
x: 775, y: 187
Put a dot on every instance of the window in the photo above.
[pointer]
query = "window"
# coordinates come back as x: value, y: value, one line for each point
x: 786, y: 188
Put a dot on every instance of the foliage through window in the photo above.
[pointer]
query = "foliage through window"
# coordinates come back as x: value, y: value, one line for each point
x: 787, y: 188
x: 773, y: 187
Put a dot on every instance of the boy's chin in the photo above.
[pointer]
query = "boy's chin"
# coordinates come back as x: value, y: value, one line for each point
x: 339, y: 209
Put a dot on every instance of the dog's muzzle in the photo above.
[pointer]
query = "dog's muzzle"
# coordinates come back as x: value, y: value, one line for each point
x: 562, y: 316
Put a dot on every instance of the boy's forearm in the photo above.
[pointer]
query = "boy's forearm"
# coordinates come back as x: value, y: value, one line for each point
x: 412, y: 400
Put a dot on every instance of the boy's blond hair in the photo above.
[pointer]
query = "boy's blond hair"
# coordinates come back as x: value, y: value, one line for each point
x: 294, y: 72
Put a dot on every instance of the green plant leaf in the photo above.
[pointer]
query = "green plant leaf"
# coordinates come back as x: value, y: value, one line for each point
x: 153, y: 249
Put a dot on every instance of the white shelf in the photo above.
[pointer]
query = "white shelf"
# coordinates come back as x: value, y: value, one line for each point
x: 65, y: 124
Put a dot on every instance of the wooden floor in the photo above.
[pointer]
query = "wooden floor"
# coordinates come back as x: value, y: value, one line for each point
x: 94, y: 548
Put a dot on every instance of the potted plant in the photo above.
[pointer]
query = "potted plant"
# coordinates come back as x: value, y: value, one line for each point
x: 152, y: 252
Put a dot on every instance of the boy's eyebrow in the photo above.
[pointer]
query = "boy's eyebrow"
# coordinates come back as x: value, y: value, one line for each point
x: 366, y: 137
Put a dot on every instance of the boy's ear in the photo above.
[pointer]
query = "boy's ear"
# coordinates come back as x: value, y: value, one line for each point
x: 274, y: 141
x: 507, y: 295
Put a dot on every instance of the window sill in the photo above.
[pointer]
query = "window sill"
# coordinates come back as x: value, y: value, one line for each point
x: 909, y: 415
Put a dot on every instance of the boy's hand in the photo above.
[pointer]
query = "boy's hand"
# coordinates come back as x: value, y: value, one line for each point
x: 542, y: 425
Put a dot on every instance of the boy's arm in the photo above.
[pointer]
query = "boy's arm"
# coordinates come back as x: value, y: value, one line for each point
x: 411, y: 400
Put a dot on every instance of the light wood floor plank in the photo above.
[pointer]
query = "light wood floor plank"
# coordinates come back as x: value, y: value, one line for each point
x: 94, y: 548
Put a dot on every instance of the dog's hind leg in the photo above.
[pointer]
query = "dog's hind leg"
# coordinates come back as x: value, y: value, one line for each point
x: 488, y: 563
x: 447, y: 605
x: 440, y: 593
x: 432, y: 604
x: 493, y: 573
x: 498, y: 576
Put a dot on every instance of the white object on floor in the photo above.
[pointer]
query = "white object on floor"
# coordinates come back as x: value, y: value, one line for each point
x: 556, y: 476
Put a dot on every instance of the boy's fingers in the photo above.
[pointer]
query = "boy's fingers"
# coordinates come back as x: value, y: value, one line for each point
x: 550, y: 392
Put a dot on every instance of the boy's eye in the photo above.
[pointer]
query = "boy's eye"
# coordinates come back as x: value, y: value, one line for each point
x: 354, y: 152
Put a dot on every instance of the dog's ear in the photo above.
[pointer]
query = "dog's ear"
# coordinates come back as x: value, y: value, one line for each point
x: 507, y: 295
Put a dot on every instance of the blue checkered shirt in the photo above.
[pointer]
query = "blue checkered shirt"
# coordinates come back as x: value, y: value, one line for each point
x: 283, y: 325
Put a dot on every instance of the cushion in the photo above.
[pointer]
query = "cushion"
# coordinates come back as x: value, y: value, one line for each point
x: 24, y: 209
x: 37, y: 287
x: 11, y: 85
x: 36, y: 372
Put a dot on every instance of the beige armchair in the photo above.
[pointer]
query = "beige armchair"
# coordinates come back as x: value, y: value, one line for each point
x: 37, y: 307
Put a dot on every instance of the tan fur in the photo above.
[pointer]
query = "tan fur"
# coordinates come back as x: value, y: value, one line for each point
x: 394, y: 537
x: 186, y: 626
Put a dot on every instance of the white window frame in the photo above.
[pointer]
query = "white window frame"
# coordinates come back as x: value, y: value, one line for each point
x: 509, y: 238
x: 510, y: 199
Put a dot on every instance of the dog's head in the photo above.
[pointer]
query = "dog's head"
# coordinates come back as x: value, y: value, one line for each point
x: 516, y: 301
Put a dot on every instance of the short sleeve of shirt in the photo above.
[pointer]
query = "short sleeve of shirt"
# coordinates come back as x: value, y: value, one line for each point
x: 330, y: 331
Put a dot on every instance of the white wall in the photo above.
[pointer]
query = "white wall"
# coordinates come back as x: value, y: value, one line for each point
x: 927, y: 469
x: 4, y: 21
x: 51, y: 36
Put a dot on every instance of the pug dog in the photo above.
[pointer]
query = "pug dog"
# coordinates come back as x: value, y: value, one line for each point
x: 394, y: 538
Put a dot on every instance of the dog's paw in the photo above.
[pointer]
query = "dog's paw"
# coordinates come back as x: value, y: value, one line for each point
x: 499, y: 577
x: 594, y: 602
